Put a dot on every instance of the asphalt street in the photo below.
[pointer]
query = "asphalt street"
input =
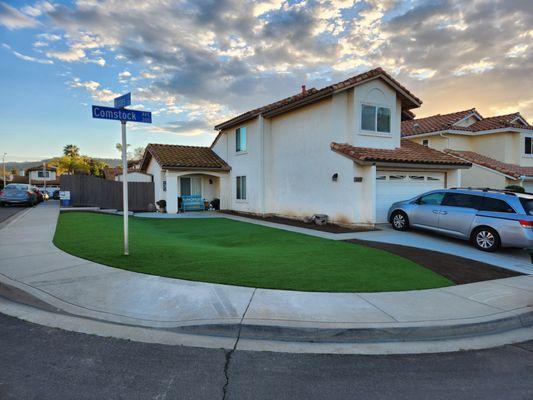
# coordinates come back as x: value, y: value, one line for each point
x: 8, y: 211
x: 43, y: 363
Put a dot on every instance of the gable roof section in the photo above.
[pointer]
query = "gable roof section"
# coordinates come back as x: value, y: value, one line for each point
x: 171, y: 156
x: 512, y: 170
x: 409, y: 152
x: 311, y: 95
x: 40, y: 168
x: 434, y: 123
x: 439, y: 123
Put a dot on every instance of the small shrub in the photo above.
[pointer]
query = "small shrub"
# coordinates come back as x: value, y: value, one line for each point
x: 515, y: 188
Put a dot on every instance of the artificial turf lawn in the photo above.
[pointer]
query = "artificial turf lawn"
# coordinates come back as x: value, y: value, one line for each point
x: 220, y: 250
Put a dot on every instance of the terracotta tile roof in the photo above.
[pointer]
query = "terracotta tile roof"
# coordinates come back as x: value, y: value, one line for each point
x: 111, y: 173
x: 319, y: 93
x: 513, y: 170
x: 39, y: 167
x: 409, y: 152
x: 444, y: 122
x: 499, y: 121
x: 172, y: 156
x: 434, y: 123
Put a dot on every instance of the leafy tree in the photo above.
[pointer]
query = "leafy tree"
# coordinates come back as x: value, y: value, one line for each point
x: 71, y: 150
x: 96, y: 167
x: 71, y: 165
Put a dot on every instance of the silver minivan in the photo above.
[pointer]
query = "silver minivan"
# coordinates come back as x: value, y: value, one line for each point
x: 488, y: 218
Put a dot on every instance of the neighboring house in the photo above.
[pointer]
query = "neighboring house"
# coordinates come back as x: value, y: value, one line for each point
x: 500, y: 148
x: 38, y: 175
x: 134, y: 174
x: 335, y: 151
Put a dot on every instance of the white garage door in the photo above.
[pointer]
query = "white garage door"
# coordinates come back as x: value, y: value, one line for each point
x: 395, y: 186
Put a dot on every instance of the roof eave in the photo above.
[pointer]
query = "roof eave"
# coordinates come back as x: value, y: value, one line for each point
x: 185, y: 168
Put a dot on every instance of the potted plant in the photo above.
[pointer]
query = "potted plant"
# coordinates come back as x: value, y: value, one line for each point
x: 215, y: 203
x: 162, y: 204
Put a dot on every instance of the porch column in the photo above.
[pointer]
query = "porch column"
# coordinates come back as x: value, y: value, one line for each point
x: 172, y: 193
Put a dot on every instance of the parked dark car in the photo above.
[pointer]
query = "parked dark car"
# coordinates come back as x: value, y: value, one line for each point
x: 17, y: 193
x: 38, y: 193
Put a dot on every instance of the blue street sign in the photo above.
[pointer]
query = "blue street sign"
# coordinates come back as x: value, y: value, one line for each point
x: 123, y: 101
x: 121, y: 114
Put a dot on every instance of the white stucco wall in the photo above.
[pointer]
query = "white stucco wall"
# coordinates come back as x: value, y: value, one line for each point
x: 34, y: 176
x: 135, y: 177
x: 376, y: 93
x: 155, y: 170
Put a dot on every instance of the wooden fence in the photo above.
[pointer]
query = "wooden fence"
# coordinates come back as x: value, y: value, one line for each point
x: 90, y: 191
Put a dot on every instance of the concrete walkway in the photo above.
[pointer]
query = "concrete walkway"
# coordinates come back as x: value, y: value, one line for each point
x: 257, y: 318
x: 513, y: 259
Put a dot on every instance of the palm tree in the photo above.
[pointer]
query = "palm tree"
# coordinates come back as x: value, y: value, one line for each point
x: 71, y: 150
x: 118, y: 146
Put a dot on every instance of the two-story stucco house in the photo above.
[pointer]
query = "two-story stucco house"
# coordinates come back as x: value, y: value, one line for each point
x: 38, y: 175
x: 335, y: 151
x: 500, y: 148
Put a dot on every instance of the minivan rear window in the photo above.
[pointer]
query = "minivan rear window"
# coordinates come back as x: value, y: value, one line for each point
x: 527, y: 204
x: 495, y: 205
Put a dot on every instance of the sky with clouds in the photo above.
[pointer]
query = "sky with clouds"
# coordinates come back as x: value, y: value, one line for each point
x: 195, y: 63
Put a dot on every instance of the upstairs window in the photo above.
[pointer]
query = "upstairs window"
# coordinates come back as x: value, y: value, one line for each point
x: 240, y: 140
x: 375, y: 119
x: 527, y: 146
x: 43, y: 174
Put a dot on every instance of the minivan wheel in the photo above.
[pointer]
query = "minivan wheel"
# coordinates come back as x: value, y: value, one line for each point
x: 486, y: 239
x: 399, y: 221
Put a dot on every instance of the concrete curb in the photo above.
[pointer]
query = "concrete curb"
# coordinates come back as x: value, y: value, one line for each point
x: 499, y: 323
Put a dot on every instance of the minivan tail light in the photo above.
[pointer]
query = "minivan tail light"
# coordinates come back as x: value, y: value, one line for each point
x: 526, y: 224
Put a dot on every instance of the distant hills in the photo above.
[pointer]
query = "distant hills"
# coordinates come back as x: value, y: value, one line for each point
x: 113, y: 162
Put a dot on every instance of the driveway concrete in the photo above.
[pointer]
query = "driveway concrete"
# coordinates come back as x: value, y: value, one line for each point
x: 251, y: 317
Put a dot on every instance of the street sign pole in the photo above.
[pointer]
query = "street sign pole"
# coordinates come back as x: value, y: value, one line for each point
x: 125, y: 187
x: 120, y: 113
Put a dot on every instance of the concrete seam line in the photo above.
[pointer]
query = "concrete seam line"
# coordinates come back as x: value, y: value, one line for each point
x: 375, y: 306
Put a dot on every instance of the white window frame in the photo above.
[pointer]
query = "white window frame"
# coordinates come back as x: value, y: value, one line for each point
x: 375, y: 132
x: 240, y: 151
x: 238, y: 179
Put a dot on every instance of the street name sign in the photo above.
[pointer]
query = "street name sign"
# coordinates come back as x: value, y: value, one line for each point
x: 123, y: 101
x: 121, y: 114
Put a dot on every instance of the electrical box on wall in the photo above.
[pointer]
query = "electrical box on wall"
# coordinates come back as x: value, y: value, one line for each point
x: 358, y: 179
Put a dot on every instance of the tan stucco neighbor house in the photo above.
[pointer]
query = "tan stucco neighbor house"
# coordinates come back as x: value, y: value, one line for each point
x: 500, y: 148
x: 336, y: 151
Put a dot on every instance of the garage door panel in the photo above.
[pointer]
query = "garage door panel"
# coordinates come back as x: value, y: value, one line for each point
x: 392, y: 186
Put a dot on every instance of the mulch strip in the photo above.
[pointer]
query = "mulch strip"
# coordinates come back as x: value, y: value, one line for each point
x: 459, y: 270
x: 331, y: 228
